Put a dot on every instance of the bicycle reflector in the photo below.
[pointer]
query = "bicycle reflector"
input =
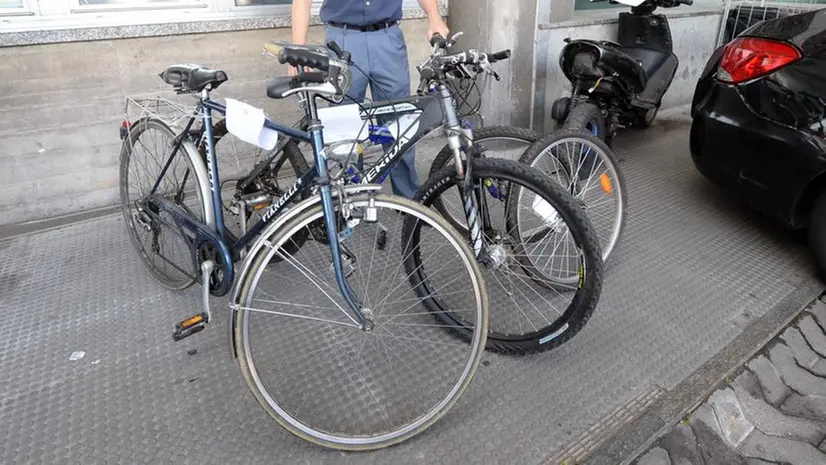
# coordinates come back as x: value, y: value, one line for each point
x: 749, y: 58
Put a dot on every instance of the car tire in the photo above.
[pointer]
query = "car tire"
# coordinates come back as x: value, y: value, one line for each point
x: 817, y: 234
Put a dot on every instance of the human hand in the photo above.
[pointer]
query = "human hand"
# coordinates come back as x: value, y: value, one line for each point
x: 292, y: 71
x: 437, y: 26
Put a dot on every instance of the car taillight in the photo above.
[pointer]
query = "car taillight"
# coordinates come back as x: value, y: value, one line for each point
x: 749, y: 58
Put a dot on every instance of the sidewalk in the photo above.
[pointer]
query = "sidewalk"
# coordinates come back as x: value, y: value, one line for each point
x: 91, y: 374
x: 772, y: 410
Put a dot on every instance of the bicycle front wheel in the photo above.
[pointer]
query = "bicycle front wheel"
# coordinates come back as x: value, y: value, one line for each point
x: 544, y: 269
x: 320, y: 376
x: 505, y: 142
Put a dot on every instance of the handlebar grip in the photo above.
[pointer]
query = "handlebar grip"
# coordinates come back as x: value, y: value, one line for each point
x: 427, y: 74
x: 687, y: 2
x: 498, y: 56
x: 303, y: 57
x: 437, y: 38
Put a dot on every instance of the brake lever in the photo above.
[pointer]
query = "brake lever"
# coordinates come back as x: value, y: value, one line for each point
x: 495, y: 75
x: 345, y: 56
x: 452, y: 41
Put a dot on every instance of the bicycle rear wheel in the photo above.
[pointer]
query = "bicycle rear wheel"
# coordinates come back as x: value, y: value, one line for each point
x: 590, y: 171
x: 536, y: 228
x: 144, y: 153
x: 321, y: 377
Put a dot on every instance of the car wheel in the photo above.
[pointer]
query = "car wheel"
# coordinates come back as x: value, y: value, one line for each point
x: 817, y: 234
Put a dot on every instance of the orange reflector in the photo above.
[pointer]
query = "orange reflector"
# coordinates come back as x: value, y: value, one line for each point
x: 260, y: 206
x: 605, y: 182
x: 192, y: 321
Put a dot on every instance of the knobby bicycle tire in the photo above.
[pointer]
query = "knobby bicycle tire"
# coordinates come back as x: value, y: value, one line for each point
x: 589, y: 287
x: 445, y: 158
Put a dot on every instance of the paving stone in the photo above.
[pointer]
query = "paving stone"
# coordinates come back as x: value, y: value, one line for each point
x: 796, y: 377
x: 713, y: 448
x: 655, y: 456
x: 822, y: 446
x: 754, y: 461
x: 771, y: 421
x: 704, y: 413
x: 777, y: 449
x: 805, y: 406
x: 730, y: 416
x: 813, y: 334
x: 682, y: 446
x: 748, y: 381
x: 774, y: 390
x: 819, y: 311
x: 805, y: 356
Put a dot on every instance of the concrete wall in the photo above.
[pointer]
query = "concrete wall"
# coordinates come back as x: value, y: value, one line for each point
x: 62, y: 104
x: 694, y: 39
x: 496, y: 25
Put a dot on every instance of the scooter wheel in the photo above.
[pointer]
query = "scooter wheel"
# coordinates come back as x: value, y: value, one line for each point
x: 588, y: 117
x: 646, y: 118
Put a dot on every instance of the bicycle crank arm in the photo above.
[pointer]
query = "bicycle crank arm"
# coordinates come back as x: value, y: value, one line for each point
x: 197, y: 323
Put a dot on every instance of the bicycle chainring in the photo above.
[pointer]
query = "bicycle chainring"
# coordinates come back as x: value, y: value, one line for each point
x: 206, y: 250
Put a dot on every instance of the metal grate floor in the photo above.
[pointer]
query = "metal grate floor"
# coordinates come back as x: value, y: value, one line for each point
x: 690, y: 263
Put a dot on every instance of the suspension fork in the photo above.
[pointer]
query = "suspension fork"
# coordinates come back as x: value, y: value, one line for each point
x: 470, y: 202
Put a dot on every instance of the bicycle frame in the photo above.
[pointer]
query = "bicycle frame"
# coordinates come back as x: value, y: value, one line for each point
x: 430, y: 114
x: 216, y: 233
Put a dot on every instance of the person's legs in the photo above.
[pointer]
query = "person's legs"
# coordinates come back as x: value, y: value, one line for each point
x: 390, y: 72
x: 354, y: 42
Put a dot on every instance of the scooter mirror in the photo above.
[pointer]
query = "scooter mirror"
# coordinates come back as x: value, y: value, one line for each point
x: 630, y: 2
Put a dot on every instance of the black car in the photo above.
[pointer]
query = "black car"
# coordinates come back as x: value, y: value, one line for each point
x: 759, y: 122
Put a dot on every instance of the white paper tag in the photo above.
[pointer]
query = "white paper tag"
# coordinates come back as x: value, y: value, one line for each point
x: 342, y: 122
x: 547, y: 212
x: 247, y: 123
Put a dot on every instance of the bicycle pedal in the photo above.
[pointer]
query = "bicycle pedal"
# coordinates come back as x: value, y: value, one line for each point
x: 190, y: 326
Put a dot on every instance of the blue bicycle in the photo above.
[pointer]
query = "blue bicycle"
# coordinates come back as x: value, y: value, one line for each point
x: 539, y: 253
x: 342, y: 282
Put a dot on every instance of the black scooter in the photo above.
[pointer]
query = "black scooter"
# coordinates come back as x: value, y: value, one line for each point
x: 617, y: 85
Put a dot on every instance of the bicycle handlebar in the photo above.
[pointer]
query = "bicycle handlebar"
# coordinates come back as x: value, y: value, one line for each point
x: 335, y: 66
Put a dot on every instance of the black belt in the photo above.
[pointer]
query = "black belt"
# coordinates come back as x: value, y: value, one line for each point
x: 365, y: 28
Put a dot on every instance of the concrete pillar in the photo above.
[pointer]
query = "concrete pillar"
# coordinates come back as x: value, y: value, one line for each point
x: 491, y: 26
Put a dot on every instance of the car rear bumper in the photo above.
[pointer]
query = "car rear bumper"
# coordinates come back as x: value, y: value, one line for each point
x: 767, y: 163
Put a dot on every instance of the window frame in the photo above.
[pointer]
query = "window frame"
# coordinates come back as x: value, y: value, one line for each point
x: 38, y: 17
x: 23, y: 10
x: 76, y: 8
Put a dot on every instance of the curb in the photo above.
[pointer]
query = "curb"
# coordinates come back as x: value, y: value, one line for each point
x: 633, y: 440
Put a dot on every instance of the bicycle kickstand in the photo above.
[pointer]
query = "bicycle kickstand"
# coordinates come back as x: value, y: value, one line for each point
x: 197, y: 323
